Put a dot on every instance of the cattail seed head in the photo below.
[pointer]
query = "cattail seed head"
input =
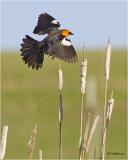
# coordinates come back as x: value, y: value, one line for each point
x: 60, y: 79
x: 107, y: 59
x: 83, y: 75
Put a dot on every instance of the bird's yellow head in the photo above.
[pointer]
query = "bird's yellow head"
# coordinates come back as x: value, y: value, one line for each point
x: 66, y: 33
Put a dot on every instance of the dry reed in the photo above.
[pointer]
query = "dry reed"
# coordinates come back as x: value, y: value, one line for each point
x: 89, y: 132
x: 92, y: 132
x: 3, y: 142
x: 86, y: 135
x: 40, y: 155
x: 31, y: 143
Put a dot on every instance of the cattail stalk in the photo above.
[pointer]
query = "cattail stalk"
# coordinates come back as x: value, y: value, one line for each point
x: 107, y: 70
x: 95, y: 153
x: 60, y: 126
x: 31, y: 143
x: 81, y: 127
x: 60, y: 73
x: 82, y: 90
x: 104, y: 125
x: 3, y: 142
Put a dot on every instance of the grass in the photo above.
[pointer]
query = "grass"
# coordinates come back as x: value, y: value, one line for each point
x: 31, y: 97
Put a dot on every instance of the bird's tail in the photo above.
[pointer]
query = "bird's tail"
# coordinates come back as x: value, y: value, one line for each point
x: 31, y: 52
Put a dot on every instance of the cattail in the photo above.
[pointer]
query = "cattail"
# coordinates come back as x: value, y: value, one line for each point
x: 40, y: 155
x: 107, y: 60
x: 3, y: 142
x: 107, y: 69
x: 60, y: 75
x: 60, y: 79
x: 83, y: 75
x: 110, y: 108
x: 82, y: 89
x: 31, y: 142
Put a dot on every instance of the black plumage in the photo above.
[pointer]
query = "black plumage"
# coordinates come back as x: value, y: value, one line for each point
x: 44, y: 24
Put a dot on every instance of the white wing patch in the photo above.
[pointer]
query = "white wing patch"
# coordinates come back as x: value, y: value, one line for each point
x: 66, y: 42
x: 54, y: 21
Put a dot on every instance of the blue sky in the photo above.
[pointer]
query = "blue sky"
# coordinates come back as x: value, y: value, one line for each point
x: 90, y: 21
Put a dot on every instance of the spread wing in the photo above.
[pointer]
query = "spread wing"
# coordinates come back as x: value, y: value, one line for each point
x: 63, y: 50
x: 31, y: 53
x: 45, y: 23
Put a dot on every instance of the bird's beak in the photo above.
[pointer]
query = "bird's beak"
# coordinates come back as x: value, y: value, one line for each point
x: 71, y: 33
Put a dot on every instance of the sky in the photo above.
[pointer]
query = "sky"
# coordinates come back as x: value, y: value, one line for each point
x: 92, y: 22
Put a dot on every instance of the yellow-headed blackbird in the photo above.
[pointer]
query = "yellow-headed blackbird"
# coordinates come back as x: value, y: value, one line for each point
x: 56, y: 44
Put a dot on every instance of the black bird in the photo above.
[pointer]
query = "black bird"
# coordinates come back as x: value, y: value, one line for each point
x: 56, y: 44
